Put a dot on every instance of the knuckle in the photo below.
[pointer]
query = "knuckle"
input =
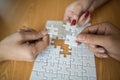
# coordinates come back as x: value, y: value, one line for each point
x: 104, y: 24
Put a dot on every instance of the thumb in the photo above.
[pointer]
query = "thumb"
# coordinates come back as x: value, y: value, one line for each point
x: 92, y: 39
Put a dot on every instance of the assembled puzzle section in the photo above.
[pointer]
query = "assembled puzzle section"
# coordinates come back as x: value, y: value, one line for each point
x: 60, y: 31
x: 51, y: 65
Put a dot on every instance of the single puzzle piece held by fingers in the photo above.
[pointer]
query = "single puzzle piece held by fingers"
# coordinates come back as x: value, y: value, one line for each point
x: 63, y: 59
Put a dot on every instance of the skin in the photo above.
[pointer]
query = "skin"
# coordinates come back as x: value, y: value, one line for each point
x: 23, y: 45
x: 78, y: 9
x: 102, y: 39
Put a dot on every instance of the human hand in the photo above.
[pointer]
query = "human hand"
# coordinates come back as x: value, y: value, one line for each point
x: 23, y: 45
x: 103, y: 39
x: 79, y: 12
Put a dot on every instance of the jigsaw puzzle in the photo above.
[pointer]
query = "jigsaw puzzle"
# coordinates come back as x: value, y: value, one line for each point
x: 51, y: 65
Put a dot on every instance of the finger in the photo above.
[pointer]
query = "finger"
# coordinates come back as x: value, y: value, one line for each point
x: 66, y: 19
x: 98, y: 51
x: 67, y: 16
x: 46, y: 38
x: 85, y: 18
x: 92, y: 39
x: 72, y: 14
x: 99, y: 29
x: 27, y: 29
x: 30, y: 35
x: 76, y: 14
x: 74, y: 19
x: 100, y: 55
x: 41, y: 45
x: 44, y: 31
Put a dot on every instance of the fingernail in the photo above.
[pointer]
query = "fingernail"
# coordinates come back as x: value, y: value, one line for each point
x: 86, y: 14
x: 73, y: 22
x: 78, y: 43
x: 44, y: 33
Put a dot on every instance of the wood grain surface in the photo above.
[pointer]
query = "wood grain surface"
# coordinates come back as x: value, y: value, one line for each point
x: 15, y: 14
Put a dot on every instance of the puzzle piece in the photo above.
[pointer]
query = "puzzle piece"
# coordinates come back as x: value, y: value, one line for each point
x: 51, y: 68
x: 67, y: 27
x: 62, y: 77
x: 63, y: 68
x: 90, y: 72
x: 37, y: 75
x: 65, y: 60
x: 52, y: 31
x: 70, y: 40
x: 75, y: 70
x: 76, y: 78
x: 49, y: 76
x: 64, y: 47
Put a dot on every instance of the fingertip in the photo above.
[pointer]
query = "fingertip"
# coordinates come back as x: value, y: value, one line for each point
x: 44, y: 32
x: 101, y: 55
x: 101, y: 50
x: 105, y: 56
x: 98, y: 49
x: 80, y: 38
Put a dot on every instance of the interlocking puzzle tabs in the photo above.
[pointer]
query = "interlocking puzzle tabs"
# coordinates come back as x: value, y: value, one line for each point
x: 63, y: 35
x: 63, y: 59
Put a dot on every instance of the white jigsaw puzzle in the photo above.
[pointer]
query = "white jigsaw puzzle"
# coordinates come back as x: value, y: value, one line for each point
x: 51, y: 65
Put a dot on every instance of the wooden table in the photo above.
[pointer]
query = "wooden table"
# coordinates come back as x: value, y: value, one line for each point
x: 15, y: 14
